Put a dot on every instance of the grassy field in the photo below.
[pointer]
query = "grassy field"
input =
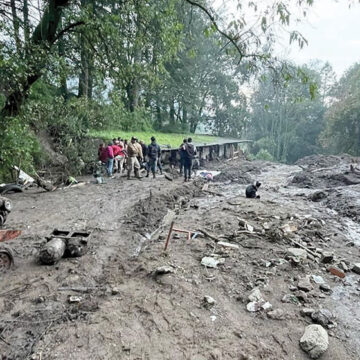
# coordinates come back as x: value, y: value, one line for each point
x: 164, y: 139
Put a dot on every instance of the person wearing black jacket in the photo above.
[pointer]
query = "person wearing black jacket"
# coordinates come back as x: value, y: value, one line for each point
x: 189, y: 154
x: 153, y: 153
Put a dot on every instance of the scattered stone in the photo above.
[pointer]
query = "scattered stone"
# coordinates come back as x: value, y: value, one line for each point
x: 318, y: 279
x: 306, y: 311
x: 267, y: 306
x: 300, y: 254
x: 356, y: 268
x: 74, y: 299
x: 228, y: 245
x: 325, y: 287
x: 255, y: 295
x: 115, y: 291
x: 277, y: 314
x: 255, y: 306
x: 304, y: 284
x: 162, y: 270
x: 208, y: 301
x: 323, y: 317
x: 290, y: 298
x: 315, y: 341
x: 336, y: 271
x: 213, y: 318
x: 318, y: 196
x: 343, y: 266
x: 327, y: 257
x: 210, y: 262
x: 292, y: 288
x: 301, y: 295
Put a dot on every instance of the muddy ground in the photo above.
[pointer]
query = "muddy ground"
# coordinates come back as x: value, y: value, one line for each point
x: 126, y: 310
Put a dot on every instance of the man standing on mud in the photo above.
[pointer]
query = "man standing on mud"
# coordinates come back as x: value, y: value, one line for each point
x: 153, y: 153
x: 182, y: 151
x: 188, y: 158
x: 110, y: 159
x: 134, y: 152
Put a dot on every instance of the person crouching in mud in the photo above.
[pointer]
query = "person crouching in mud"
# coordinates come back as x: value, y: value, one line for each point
x: 251, y: 191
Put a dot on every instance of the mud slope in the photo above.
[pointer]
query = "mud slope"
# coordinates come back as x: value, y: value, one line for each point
x: 127, y: 310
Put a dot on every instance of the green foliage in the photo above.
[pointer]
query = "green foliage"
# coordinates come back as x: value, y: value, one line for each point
x: 342, y: 132
x: 18, y: 146
x: 264, y: 155
x: 172, y: 140
x: 288, y: 116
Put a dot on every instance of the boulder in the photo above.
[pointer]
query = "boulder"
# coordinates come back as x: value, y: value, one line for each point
x: 356, y: 268
x: 297, y: 253
x: 315, y: 341
x: 323, y: 317
x: 304, y: 284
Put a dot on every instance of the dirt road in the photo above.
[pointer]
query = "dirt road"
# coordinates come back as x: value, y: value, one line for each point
x: 128, y: 311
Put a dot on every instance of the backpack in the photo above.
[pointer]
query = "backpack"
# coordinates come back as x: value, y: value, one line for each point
x: 190, y: 150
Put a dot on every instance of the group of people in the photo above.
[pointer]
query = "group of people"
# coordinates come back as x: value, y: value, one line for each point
x: 120, y: 156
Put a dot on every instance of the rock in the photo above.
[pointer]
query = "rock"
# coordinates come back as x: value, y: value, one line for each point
x: 318, y: 196
x: 115, y: 291
x: 343, y: 266
x: 162, y: 270
x: 297, y: 253
x: 277, y: 314
x: 255, y: 306
x: 327, y: 257
x: 255, y: 295
x: 211, y: 262
x: 356, y: 268
x: 336, y: 271
x: 315, y: 341
x: 304, y: 284
x: 292, y: 288
x: 323, y: 317
x: 74, y: 299
x: 318, y: 279
x: 301, y: 295
x: 290, y: 298
x: 228, y: 245
x: 306, y: 311
x: 208, y: 301
x: 267, y: 306
x: 325, y: 287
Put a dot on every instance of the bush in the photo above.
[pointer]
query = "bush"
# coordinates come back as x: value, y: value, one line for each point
x: 264, y: 155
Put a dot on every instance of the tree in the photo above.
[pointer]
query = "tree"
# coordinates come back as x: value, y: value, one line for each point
x: 342, y: 133
x: 286, y: 118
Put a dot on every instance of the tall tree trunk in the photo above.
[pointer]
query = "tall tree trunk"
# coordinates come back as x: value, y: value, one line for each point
x: 15, y: 21
x: 172, y: 113
x: 43, y: 37
x: 85, y: 78
x: 26, y: 23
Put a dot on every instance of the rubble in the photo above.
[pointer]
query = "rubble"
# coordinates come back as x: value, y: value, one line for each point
x: 277, y: 314
x: 297, y: 253
x: 304, y: 284
x: 323, y: 317
x: 162, y: 270
x: 315, y: 341
x: 208, y: 301
x: 356, y: 268
x: 211, y: 262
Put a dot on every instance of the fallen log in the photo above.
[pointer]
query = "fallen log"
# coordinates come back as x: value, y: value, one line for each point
x: 43, y: 184
x: 52, y: 251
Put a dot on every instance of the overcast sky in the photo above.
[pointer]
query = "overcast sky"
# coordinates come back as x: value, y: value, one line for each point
x: 332, y: 30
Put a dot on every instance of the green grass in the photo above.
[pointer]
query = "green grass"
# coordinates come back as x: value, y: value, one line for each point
x: 163, y: 139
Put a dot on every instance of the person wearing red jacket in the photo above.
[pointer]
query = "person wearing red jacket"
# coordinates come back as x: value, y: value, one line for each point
x: 110, y: 159
x: 119, y: 156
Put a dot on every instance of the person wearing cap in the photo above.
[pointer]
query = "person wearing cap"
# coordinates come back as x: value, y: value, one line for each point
x: 154, y: 153
x: 134, y: 151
